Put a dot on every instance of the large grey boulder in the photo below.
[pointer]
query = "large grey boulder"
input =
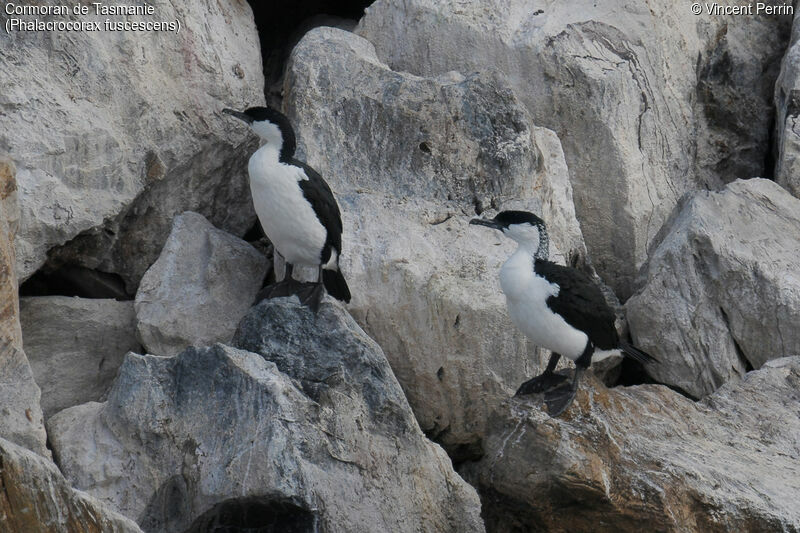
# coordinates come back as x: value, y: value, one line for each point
x: 645, y: 458
x: 421, y: 154
x: 37, y: 499
x: 720, y: 293
x: 787, y: 124
x: 199, y: 289
x: 75, y: 346
x: 114, y: 133
x: 315, y: 426
x: 21, y: 420
x: 649, y: 100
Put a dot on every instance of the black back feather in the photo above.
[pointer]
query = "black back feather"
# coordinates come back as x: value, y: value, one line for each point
x: 581, y: 303
x: 321, y: 198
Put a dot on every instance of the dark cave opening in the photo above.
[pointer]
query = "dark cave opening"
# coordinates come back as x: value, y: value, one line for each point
x: 281, y: 24
x: 634, y: 373
x: 255, y: 515
x: 75, y: 280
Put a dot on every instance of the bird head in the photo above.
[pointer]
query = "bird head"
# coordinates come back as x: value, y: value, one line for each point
x: 525, y: 228
x: 271, y: 125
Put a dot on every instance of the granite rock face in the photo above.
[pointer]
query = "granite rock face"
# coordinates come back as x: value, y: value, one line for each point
x: 75, y: 346
x: 21, y: 420
x: 35, y: 498
x: 720, y: 293
x: 645, y: 458
x: 422, y: 154
x: 111, y: 140
x: 199, y: 289
x: 315, y: 428
x: 621, y: 84
x: 787, y: 124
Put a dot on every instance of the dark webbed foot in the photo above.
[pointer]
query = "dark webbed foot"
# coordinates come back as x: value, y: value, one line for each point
x: 284, y: 288
x: 311, y: 295
x: 545, y: 381
x: 560, y: 398
x: 540, y: 383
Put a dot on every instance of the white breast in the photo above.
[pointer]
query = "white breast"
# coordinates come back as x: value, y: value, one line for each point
x: 287, y: 218
x: 526, y: 296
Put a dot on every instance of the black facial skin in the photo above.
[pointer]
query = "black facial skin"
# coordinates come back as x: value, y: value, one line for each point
x: 238, y: 114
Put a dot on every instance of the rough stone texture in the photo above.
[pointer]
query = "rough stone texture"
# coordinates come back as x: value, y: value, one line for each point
x: 35, y: 498
x: 419, y: 155
x: 645, y: 458
x: 720, y: 293
x: 75, y: 346
x: 199, y: 289
x: 649, y: 101
x: 21, y: 419
x: 787, y: 124
x: 317, y: 424
x: 114, y: 133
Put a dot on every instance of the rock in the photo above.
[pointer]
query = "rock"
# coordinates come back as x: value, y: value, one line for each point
x: 21, y: 419
x: 114, y: 136
x: 9, y: 217
x: 315, y: 430
x: 422, y: 155
x: 75, y: 346
x: 787, y: 126
x: 199, y: 289
x: 463, y: 139
x: 608, y: 369
x: 621, y: 85
x: 719, y: 295
x: 645, y: 458
x: 35, y: 497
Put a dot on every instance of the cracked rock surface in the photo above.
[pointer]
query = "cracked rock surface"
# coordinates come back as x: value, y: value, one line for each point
x: 720, y: 293
x: 649, y: 101
x: 645, y: 458
x: 422, y: 154
x: 312, y: 424
x: 114, y: 133
x: 35, y: 497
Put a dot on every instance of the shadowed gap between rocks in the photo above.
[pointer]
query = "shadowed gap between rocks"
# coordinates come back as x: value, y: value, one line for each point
x: 633, y: 373
x: 281, y: 24
x: 75, y: 280
x: 255, y: 515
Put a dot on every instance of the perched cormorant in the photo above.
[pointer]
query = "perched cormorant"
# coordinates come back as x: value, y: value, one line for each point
x: 295, y: 207
x: 558, y: 308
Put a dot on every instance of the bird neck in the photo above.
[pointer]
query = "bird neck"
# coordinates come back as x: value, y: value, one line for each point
x: 268, y: 153
x: 277, y: 150
x: 537, y: 250
x: 543, y: 250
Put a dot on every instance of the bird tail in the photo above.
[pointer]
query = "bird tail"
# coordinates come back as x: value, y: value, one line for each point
x: 635, y: 353
x: 336, y: 285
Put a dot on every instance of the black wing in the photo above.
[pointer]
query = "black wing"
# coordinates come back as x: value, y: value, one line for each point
x: 581, y: 303
x: 320, y: 196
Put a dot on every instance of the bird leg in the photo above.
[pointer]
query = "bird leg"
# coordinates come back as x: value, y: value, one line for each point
x: 560, y: 398
x: 312, y: 293
x: 288, y: 286
x: 544, y: 381
x: 287, y: 272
